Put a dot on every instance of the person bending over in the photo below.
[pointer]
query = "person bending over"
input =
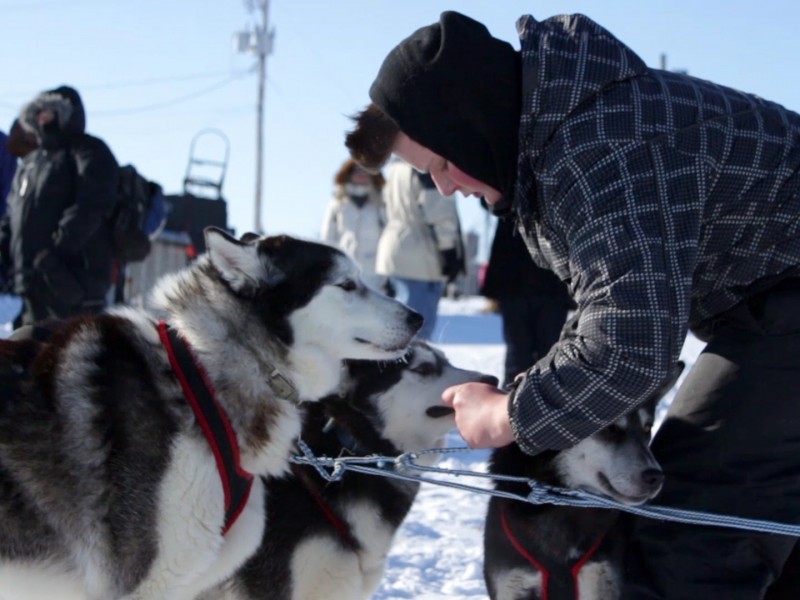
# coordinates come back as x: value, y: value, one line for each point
x: 668, y: 204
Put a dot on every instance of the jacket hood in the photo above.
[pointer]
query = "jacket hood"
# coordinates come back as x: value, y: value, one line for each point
x: 567, y: 59
x: 455, y: 89
x: 66, y: 103
x: 374, y: 194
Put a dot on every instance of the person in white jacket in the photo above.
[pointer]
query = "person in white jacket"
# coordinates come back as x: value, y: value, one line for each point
x: 355, y: 218
x: 421, y: 247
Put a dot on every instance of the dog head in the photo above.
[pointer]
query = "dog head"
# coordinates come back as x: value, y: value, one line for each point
x: 396, y: 407
x: 617, y: 461
x: 311, y: 296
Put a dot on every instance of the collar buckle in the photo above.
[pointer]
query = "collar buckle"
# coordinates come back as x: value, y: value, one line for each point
x: 283, y: 387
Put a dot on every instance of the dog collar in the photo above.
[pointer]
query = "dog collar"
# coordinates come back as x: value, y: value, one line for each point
x: 346, y: 439
x: 213, y: 421
x: 559, y: 579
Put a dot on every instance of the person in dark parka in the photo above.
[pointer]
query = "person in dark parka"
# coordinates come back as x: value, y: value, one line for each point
x: 8, y: 165
x: 55, y: 241
x: 21, y: 142
x: 667, y: 203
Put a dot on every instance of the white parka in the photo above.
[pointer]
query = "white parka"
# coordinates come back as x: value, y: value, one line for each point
x: 356, y: 230
x: 421, y: 223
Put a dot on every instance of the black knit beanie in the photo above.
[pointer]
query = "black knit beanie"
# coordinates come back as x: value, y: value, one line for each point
x: 455, y: 89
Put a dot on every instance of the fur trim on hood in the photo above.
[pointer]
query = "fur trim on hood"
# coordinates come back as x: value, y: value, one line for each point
x: 68, y: 107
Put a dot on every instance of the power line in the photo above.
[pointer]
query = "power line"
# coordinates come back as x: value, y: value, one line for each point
x: 45, y: 4
x: 160, y: 80
x: 136, y: 82
x: 173, y: 101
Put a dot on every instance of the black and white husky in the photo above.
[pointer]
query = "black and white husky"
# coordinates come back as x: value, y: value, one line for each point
x: 546, y: 551
x: 132, y: 444
x: 329, y: 541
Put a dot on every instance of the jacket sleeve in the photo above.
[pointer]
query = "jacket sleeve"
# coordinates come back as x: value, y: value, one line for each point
x: 8, y: 166
x: 611, y: 228
x: 329, y: 233
x: 440, y: 214
x: 5, y: 242
x: 95, y: 195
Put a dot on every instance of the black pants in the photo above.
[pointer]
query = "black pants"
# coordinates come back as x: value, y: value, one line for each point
x: 531, y: 325
x: 730, y: 445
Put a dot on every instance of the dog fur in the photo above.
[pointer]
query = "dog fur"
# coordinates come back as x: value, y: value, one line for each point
x: 575, y: 553
x: 108, y: 489
x: 383, y: 409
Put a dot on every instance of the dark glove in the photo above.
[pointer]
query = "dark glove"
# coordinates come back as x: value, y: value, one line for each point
x: 62, y: 286
x: 451, y: 264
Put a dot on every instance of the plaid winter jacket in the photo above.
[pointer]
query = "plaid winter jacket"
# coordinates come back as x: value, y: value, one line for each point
x: 663, y: 200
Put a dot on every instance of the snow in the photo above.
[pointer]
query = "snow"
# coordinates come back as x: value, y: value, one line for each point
x: 437, y: 552
x: 10, y: 306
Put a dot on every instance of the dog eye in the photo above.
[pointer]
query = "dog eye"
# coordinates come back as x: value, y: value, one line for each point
x: 424, y: 369
x: 614, y: 433
x: 348, y: 285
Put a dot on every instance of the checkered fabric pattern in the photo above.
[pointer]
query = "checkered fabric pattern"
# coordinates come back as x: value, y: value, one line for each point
x: 662, y: 199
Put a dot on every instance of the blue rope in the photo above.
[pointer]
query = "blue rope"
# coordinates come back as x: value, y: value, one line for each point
x: 333, y: 469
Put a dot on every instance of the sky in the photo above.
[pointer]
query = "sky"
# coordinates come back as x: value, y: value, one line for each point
x: 155, y: 73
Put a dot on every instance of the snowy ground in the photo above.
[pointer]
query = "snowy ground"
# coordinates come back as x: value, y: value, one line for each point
x: 9, y: 309
x: 437, y: 553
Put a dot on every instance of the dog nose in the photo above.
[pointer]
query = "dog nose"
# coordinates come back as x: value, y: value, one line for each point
x: 490, y: 379
x: 653, y: 478
x: 414, y: 320
x: 436, y: 412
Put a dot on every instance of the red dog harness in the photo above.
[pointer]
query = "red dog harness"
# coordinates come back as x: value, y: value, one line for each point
x: 559, y: 579
x: 198, y: 391
x: 340, y: 526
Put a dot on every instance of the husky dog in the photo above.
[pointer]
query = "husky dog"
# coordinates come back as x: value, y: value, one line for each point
x: 535, y: 552
x: 132, y: 443
x: 330, y: 540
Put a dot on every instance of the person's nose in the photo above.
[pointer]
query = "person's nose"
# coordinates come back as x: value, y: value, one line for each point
x: 444, y: 184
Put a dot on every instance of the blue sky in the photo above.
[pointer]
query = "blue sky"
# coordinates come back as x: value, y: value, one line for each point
x: 153, y: 73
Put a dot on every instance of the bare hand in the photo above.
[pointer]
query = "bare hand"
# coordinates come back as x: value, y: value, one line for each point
x: 481, y: 414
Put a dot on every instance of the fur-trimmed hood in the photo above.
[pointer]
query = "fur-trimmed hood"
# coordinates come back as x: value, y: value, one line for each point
x: 68, y: 107
x: 374, y: 195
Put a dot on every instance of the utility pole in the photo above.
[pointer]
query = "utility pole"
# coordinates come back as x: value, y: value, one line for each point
x: 258, y: 41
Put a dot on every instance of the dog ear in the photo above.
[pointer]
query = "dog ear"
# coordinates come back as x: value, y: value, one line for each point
x: 249, y: 237
x: 239, y: 263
